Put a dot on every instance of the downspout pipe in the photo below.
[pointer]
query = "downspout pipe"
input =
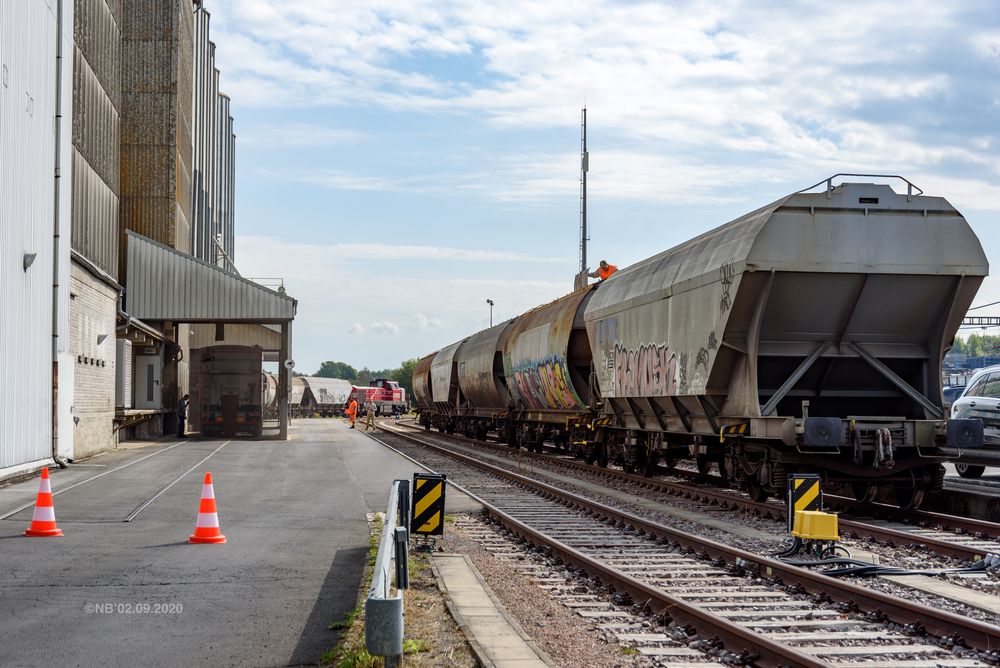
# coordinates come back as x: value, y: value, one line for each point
x: 56, y: 237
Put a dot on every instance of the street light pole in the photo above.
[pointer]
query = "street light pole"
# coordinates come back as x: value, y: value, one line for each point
x: 490, y: 302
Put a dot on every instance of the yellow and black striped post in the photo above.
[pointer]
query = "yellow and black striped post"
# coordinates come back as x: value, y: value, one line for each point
x: 804, y: 493
x: 428, y: 504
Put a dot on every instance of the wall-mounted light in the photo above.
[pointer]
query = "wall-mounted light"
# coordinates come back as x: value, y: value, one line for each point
x: 100, y: 338
x: 29, y: 259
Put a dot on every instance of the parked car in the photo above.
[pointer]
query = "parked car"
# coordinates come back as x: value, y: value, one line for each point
x: 980, y: 399
x: 951, y: 393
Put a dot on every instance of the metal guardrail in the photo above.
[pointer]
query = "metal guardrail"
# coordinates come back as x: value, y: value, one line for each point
x: 383, y: 608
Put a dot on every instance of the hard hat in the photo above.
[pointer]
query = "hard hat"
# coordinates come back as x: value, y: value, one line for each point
x: 604, y: 263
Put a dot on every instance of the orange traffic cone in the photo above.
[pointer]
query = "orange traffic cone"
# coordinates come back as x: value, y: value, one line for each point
x: 206, y: 528
x: 43, y: 522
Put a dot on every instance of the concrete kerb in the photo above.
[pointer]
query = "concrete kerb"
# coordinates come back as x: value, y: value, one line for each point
x: 482, y: 654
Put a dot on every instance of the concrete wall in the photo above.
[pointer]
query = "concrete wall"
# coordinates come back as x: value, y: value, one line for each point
x: 93, y: 307
x: 92, y: 314
x: 157, y: 100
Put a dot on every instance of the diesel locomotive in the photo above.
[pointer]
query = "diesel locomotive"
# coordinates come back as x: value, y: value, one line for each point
x: 805, y: 336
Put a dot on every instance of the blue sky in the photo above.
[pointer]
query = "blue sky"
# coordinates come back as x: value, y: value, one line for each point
x: 398, y: 163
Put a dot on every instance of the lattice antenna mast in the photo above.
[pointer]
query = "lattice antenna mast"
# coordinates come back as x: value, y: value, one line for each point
x: 584, y: 168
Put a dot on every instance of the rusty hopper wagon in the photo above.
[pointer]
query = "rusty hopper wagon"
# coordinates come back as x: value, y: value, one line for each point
x: 805, y: 336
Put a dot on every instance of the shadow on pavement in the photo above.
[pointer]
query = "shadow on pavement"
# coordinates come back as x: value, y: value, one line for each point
x: 337, y: 597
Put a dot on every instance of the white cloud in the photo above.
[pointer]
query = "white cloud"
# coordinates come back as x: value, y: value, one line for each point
x: 377, y: 327
x: 724, y: 81
x: 298, y: 134
x: 319, y: 256
x: 384, y: 327
x: 987, y: 45
x: 402, y: 312
x: 424, y: 323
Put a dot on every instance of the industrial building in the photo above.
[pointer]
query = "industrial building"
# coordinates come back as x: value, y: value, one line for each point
x: 213, y: 175
x: 140, y: 169
x: 94, y: 289
x: 36, y: 378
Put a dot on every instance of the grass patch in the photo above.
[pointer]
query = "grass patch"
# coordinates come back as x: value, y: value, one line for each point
x: 629, y: 651
x: 415, y: 566
x: 415, y: 646
x: 350, y: 651
x: 347, y: 622
x: 354, y: 658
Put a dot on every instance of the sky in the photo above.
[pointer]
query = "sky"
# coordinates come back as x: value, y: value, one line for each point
x: 401, y: 162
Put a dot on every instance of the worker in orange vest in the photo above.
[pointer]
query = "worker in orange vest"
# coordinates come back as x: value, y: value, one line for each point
x: 603, y: 271
x: 352, y: 411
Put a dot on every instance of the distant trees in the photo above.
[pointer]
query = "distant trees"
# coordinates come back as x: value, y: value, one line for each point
x: 403, y: 374
x: 977, y: 345
x: 337, y: 370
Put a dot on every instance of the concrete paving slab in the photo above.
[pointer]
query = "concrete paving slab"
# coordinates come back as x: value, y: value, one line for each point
x: 495, y: 637
x: 137, y: 594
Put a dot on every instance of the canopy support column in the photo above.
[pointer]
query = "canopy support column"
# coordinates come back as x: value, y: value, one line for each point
x: 283, y: 378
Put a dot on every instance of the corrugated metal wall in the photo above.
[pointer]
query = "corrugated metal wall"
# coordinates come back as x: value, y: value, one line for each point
x: 97, y: 94
x: 164, y: 284
x: 185, y: 109
x: 157, y: 74
x: 227, y: 175
x: 28, y: 33
x: 203, y: 336
x: 213, y: 174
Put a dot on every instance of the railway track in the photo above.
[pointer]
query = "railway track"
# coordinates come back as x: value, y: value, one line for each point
x: 944, y: 535
x: 763, y: 611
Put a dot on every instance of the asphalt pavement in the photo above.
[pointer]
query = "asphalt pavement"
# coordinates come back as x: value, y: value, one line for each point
x: 117, y: 593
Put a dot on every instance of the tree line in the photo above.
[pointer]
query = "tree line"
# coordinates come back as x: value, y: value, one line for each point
x: 403, y: 374
x: 977, y: 345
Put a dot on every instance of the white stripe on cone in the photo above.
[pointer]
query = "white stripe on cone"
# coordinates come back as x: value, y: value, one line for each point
x: 207, y: 492
x: 207, y: 521
x: 45, y: 485
x: 44, y: 514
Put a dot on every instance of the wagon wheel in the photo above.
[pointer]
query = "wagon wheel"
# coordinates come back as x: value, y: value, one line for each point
x: 907, y: 497
x: 864, y: 492
x: 721, y: 463
x: 756, y: 490
x: 602, y: 456
x: 650, y: 469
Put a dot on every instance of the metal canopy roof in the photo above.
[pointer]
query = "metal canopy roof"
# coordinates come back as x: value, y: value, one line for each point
x: 165, y: 284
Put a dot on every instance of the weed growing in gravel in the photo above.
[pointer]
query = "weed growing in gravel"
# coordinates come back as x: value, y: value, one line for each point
x: 350, y: 651
x: 415, y: 646
x: 347, y: 622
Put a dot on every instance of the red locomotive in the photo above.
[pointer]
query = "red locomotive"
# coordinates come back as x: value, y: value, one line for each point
x: 388, y: 396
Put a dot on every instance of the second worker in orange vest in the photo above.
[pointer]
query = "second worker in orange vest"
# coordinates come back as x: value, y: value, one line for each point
x: 603, y: 271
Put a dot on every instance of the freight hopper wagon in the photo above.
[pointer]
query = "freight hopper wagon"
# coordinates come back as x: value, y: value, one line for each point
x: 227, y: 391
x: 806, y: 336
x: 325, y: 396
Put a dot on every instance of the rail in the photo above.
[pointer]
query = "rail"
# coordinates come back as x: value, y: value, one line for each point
x: 975, y: 634
x: 384, y: 605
